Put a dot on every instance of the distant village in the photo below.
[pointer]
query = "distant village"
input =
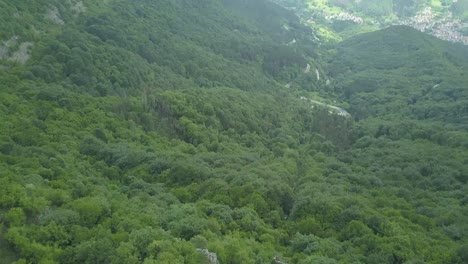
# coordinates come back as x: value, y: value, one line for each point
x: 446, y: 27
x: 344, y: 16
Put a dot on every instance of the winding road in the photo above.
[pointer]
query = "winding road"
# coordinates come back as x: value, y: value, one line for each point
x: 341, y: 111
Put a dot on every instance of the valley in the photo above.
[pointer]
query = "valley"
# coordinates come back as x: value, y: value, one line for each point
x: 178, y: 131
x: 335, y: 20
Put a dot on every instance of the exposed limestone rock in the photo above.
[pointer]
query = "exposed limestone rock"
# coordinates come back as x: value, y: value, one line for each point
x: 5, y: 47
x: 3, y: 52
x: 277, y: 260
x: 54, y: 15
x: 212, y: 257
x: 77, y: 8
x: 22, y: 55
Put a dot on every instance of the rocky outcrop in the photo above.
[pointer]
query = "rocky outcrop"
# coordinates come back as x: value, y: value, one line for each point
x: 211, y: 256
x: 5, y: 47
x: 54, y: 15
x: 77, y: 8
x: 277, y: 260
x: 21, y: 55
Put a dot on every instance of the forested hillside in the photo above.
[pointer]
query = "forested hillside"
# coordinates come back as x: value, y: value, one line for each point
x: 173, y: 131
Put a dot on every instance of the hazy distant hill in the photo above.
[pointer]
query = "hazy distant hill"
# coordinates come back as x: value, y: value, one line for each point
x: 336, y: 19
x: 402, y: 62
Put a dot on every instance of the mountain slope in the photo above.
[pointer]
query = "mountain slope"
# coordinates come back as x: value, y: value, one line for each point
x: 152, y: 131
x: 423, y: 74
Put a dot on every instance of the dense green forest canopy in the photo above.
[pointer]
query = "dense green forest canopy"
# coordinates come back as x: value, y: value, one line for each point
x: 163, y: 131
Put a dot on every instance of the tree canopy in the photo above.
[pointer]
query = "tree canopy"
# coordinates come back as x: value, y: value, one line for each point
x: 162, y: 131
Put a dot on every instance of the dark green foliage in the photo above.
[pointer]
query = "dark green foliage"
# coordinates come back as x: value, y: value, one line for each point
x: 419, y: 74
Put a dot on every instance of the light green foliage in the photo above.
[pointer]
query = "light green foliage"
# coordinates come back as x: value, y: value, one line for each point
x: 15, y: 217
x: 90, y: 209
